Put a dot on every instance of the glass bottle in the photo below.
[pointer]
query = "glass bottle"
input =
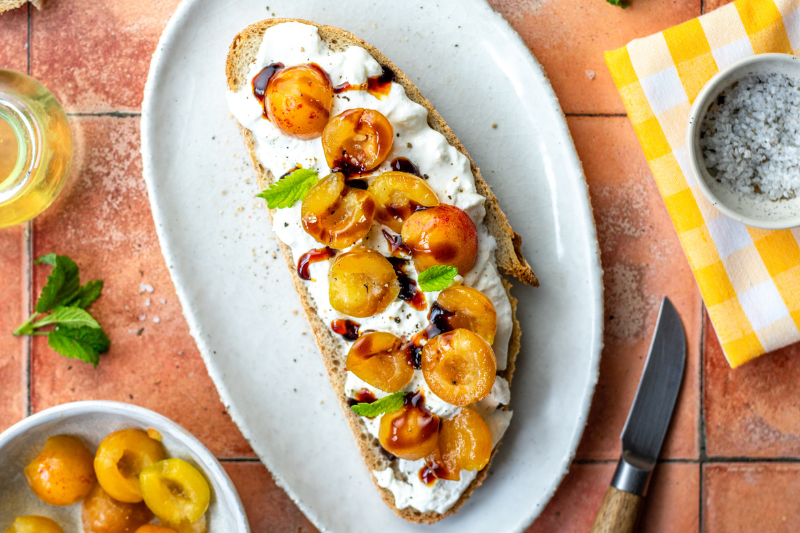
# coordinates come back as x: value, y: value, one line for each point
x: 35, y: 148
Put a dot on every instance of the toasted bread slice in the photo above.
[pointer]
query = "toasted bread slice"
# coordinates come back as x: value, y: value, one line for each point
x: 242, y: 54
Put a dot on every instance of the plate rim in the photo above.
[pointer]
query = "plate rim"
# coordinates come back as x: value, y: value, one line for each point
x: 582, y: 205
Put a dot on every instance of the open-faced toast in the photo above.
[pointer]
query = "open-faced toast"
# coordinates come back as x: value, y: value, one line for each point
x: 244, y: 56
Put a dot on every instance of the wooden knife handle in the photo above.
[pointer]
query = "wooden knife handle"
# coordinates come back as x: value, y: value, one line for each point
x: 618, y: 513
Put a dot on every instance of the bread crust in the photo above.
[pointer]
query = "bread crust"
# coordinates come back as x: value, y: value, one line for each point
x: 6, y: 5
x: 509, y: 258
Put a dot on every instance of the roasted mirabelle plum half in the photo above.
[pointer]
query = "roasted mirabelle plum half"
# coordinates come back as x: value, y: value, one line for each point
x: 34, y: 524
x: 175, y: 491
x: 198, y: 526
x: 120, y: 459
x: 298, y: 101
x: 459, y: 366
x: 470, y: 309
x: 103, y: 514
x: 442, y: 235
x: 357, y: 140
x: 465, y: 443
x: 62, y: 474
x: 154, y: 528
x: 382, y: 360
x: 412, y: 432
x: 336, y: 214
x: 362, y: 283
x: 398, y: 195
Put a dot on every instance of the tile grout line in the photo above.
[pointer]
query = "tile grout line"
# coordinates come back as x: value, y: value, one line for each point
x: 723, y: 459
x: 702, y: 421
x: 718, y: 459
x: 30, y: 24
x: 596, y: 115
x: 234, y: 460
x: 27, y: 268
x: 675, y: 460
x: 27, y: 281
x: 119, y: 114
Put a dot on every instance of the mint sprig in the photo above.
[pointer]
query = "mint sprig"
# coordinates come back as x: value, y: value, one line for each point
x: 620, y: 3
x: 75, y: 333
x: 387, y: 404
x: 287, y: 191
x: 437, y: 278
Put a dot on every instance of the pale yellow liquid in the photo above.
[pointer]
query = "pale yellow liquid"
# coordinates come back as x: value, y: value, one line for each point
x: 35, y: 148
x: 8, y: 150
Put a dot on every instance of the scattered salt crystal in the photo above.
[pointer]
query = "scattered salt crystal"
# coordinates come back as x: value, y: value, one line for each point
x: 590, y: 74
x: 163, y: 301
x: 144, y: 287
x: 156, y: 320
x: 132, y: 331
x: 147, y: 302
x: 142, y: 317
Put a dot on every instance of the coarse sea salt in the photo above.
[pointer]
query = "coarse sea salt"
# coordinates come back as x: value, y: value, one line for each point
x: 750, y: 137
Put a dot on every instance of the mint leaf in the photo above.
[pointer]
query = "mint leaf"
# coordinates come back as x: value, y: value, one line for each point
x: 286, y: 192
x: 83, y: 343
x: 74, y: 317
x: 388, y: 404
x: 621, y: 3
x: 47, y: 259
x: 87, y: 294
x: 437, y: 278
x: 62, y: 283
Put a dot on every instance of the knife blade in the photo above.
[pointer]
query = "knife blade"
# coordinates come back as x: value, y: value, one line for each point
x: 647, y: 424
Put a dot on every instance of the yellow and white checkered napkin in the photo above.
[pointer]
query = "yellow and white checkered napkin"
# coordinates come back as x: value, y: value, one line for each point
x: 749, y: 278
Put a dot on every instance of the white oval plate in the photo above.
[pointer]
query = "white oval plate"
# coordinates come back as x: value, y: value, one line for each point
x: 240, y: 303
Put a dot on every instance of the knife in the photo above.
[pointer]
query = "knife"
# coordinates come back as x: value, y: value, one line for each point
x: 646, y: 426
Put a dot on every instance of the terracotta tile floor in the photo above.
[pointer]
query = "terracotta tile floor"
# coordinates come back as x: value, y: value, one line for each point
x: 710, y: 478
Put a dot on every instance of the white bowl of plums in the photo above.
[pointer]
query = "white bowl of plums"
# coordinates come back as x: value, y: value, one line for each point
x: 110, y: 467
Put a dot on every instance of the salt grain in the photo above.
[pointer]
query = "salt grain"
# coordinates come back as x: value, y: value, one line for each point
x: 142, y: 317
x: 750, y: 137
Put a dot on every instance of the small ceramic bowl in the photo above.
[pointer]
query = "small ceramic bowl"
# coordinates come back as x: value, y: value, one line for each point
x: 91, y: 421
x: 758, y: 211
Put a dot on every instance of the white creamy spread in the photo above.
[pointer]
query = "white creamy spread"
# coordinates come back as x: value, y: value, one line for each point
x: 448, y: 174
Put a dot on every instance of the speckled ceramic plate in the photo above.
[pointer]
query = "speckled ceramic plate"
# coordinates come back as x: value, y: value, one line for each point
x: 238, y: 297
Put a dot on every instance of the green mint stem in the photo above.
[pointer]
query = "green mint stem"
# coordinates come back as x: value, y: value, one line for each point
x: 43, y: 322
x: 26, y: 328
